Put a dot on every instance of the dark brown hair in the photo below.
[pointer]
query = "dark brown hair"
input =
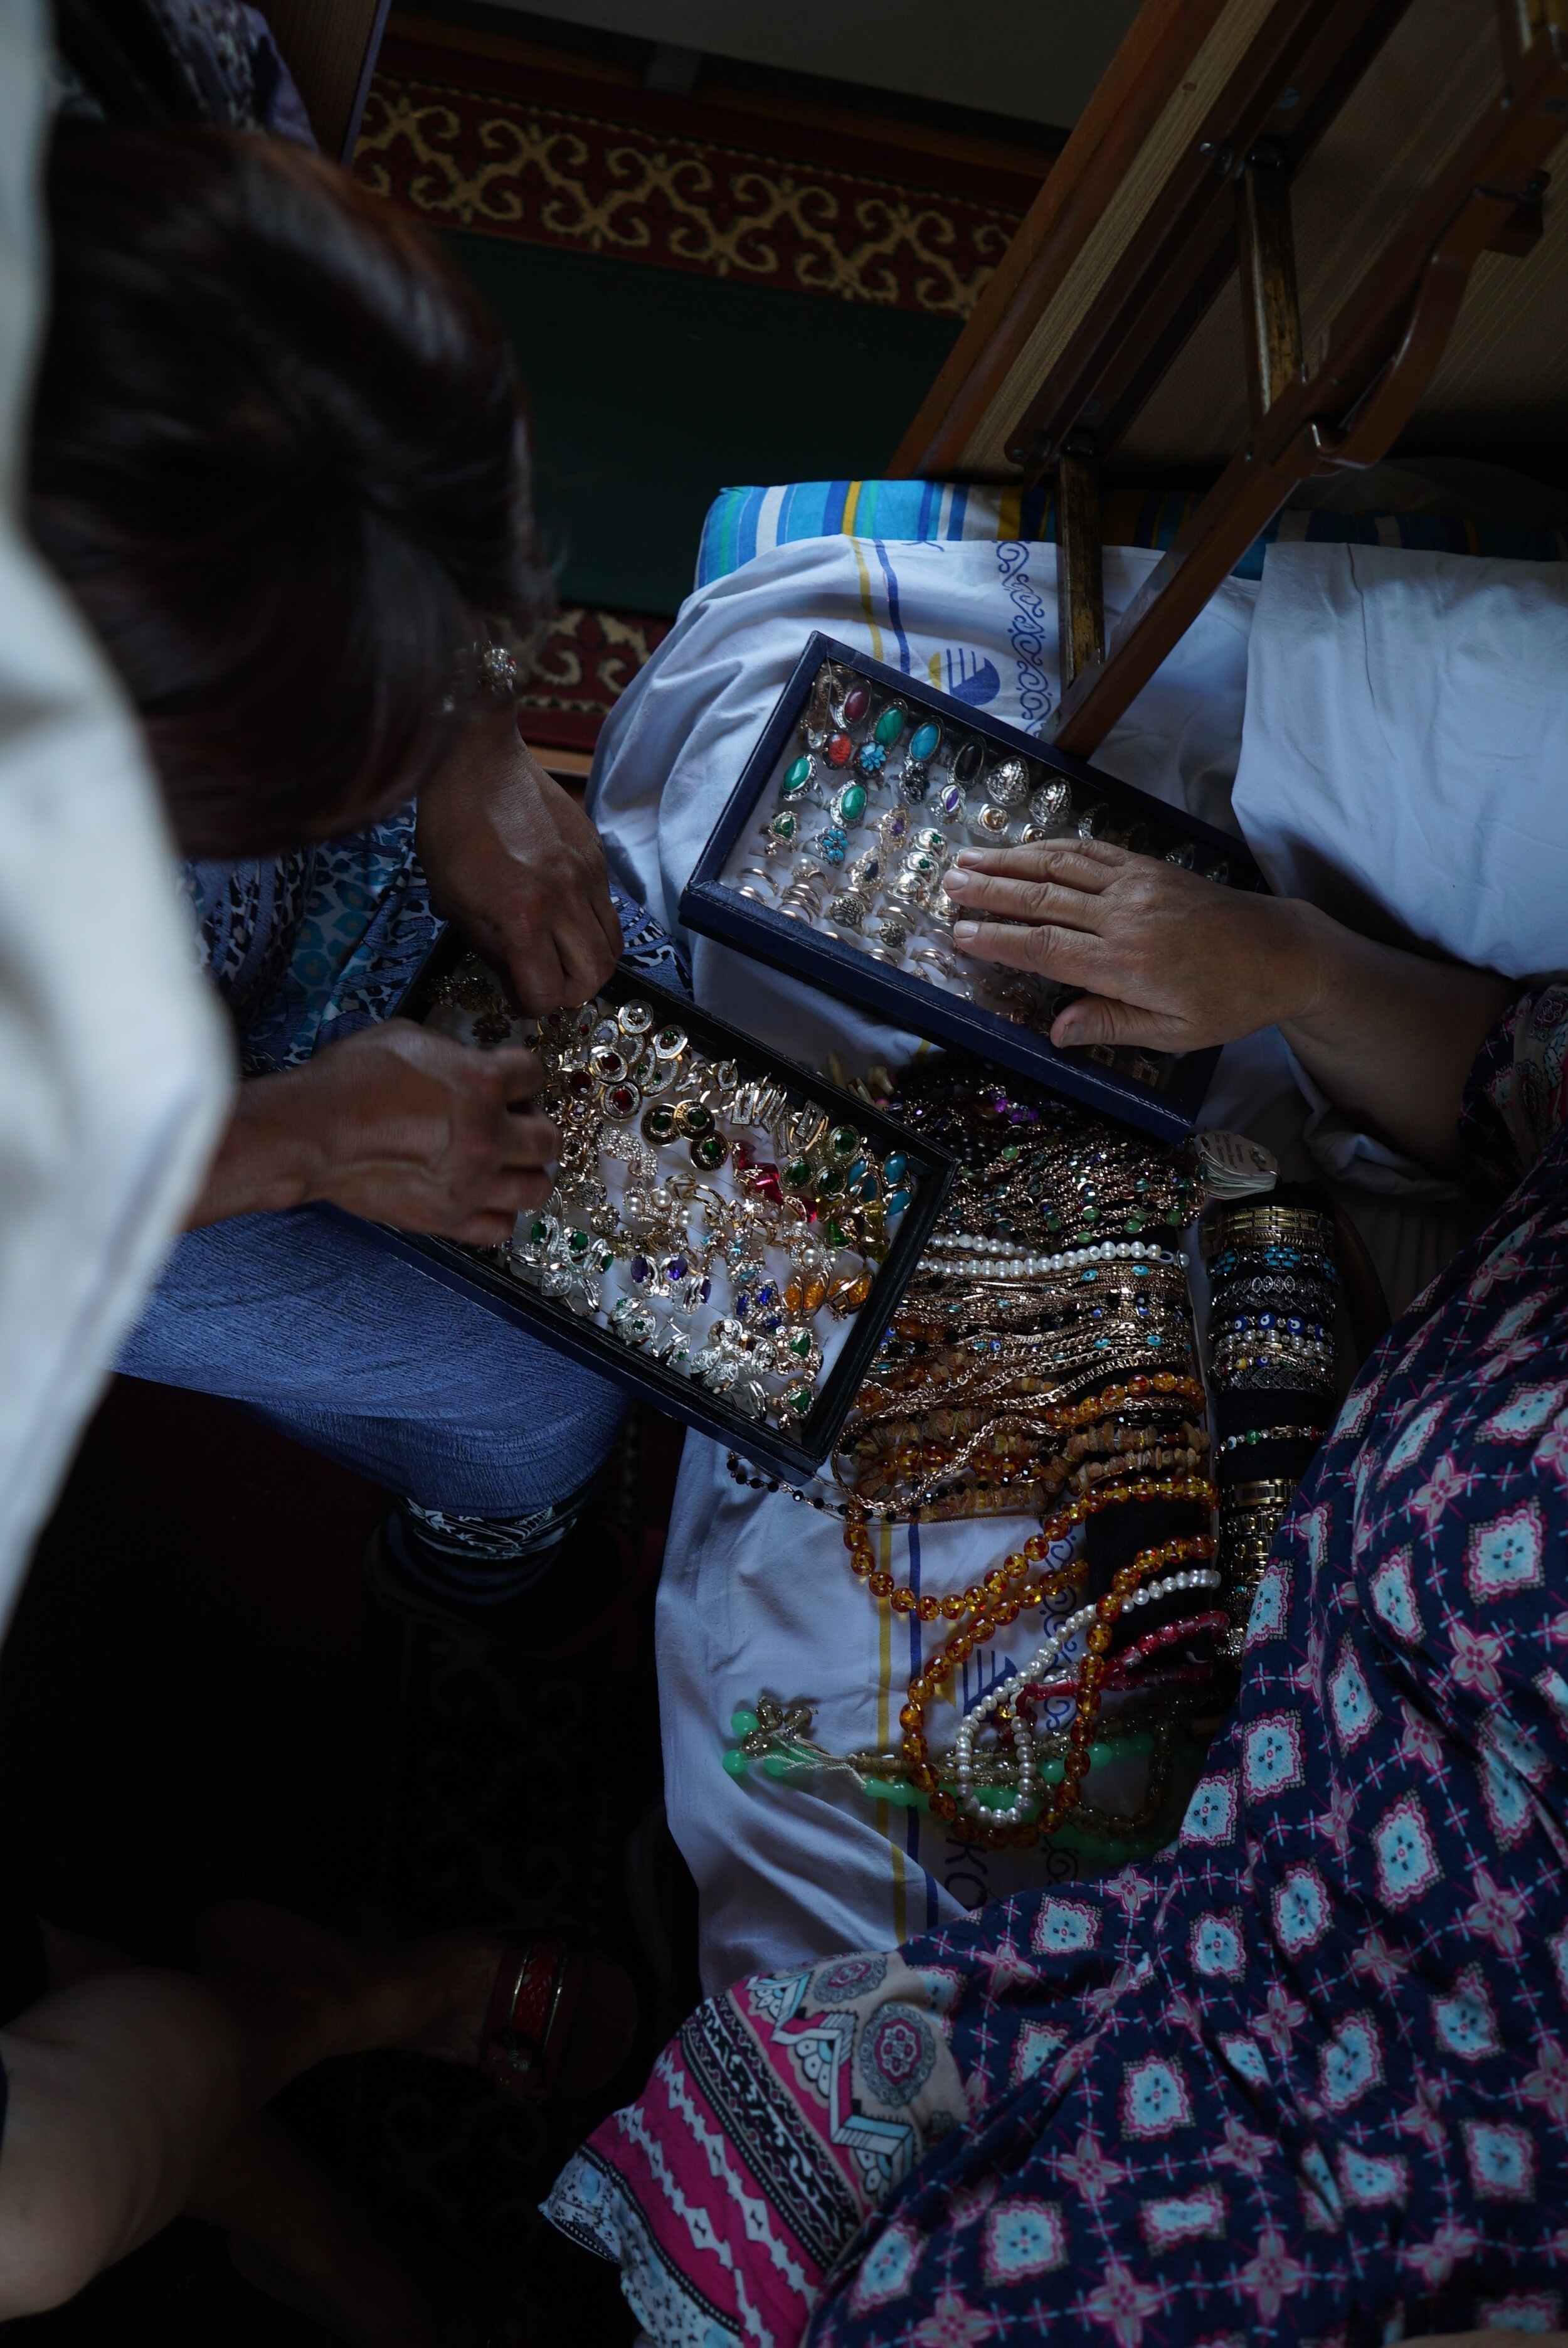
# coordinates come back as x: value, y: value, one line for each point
x: 279, y: 459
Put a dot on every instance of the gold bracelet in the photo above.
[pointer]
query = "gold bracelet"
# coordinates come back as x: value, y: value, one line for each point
x: 1248, y: 1523
x: 1251, y: 1436
x: 1270, y: 1341
x: 1264, y: 1494
x: 1257, y: 1539
x: 1234, y: 1352
x: 1268, y: 1225
x: 1251, y: 1524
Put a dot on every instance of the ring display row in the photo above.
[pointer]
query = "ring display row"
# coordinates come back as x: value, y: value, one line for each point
x: 712, y: 1221
x: 870, y: 804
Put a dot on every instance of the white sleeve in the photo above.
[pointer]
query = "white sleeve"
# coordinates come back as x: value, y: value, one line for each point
x: 113, y: 1065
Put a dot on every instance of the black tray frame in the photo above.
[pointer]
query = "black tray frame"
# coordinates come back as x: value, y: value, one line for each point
x: 465, y: 1271
x: 714, y: 911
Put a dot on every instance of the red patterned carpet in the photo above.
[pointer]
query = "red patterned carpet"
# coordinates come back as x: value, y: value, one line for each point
x: 473, y: 142
x: 588, y: 658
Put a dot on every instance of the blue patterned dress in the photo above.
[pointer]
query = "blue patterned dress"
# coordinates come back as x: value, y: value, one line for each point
x: 308, y: 946
x: 1305, y: 2078
x: 311, y: 946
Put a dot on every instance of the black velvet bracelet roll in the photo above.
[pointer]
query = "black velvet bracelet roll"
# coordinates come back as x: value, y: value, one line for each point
x: 1266, y: 1432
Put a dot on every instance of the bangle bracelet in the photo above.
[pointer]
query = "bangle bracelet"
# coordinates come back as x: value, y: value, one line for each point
x: 1294, y: 1272
x: 1260, y: 1376
x: 1263, y: 1225
x: 1302, y: 1299
x: 1236, y: 1225
x: 1236, y: 1354
x: 1270, y: 1435
x: 1270, y: 1341
x: 1265, y: 1494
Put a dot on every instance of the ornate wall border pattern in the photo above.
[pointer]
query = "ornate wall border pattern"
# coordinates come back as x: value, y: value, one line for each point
x: 548, y: 172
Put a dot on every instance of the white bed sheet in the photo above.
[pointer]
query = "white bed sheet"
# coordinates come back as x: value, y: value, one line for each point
x: 1404, y: 763
x: 756, y: 1596
x: 1405, y: 753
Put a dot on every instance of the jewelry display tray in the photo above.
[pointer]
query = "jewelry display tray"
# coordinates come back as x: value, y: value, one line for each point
x: 471, y: 1273
x: 1161, y: 1094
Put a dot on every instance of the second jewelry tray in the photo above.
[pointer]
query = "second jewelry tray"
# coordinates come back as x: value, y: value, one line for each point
x: 827, y: 862
x: 847, y: 1345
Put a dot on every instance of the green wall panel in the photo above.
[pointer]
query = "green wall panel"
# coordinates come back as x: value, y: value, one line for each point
x: 651, y: 390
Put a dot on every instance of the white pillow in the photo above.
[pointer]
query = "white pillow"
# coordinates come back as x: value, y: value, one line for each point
x: 1405, y: 749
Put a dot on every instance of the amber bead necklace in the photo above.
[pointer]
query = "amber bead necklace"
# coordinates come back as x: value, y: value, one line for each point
x: 928, y: 1682
x: 982, y: 1596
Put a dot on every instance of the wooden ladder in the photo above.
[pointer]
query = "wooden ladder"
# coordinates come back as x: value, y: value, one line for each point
x: 1179, y: 172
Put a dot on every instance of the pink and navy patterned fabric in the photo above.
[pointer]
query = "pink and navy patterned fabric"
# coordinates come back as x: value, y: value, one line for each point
x: 1305, y: 2078
x: 723, y: 2195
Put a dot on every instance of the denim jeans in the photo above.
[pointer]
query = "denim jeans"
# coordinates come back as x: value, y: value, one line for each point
x: 365, y: 1358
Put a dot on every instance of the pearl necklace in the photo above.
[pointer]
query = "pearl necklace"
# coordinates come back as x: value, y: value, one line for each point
x: 995, y: 1263
x: 1040, y: 1662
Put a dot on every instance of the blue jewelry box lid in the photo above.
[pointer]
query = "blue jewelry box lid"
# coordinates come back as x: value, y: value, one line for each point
x: 1161, y: 1092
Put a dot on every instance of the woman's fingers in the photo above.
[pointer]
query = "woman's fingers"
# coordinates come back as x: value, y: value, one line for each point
x: 607, y: 917
x: 485, y: 1219
x: 513, y: 1191
x: 1071, y: 957
x: 529, y: 1145
x: 538, y: 974
x: 512, y: 1140
x: 486, y: 1231
x: 1102, y: 1019
x: 485, y: 1211
x: 512, y: 1070
x: 582, y: 941
x: 567, y: 957
x: 1012, y: 897
x: 1087, y: 864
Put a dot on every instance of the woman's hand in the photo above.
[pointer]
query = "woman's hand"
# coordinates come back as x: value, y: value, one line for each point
x: 1168, y: 960
x: 1173, y: 963
x: 396, y: 1124
x: 513, y: 861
